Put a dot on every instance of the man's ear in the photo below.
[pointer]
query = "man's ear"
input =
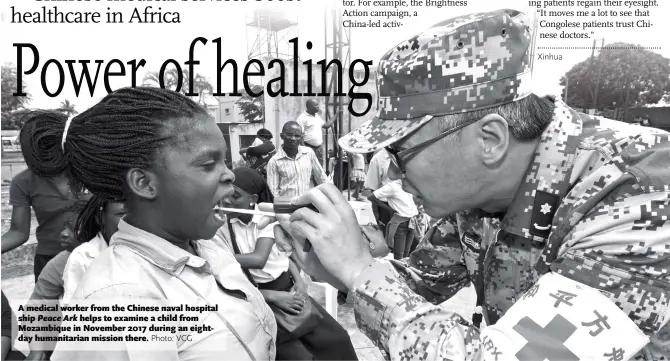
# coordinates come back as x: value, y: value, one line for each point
x: 254, y: 198
x: 142, y: 183
x: 493, y: 132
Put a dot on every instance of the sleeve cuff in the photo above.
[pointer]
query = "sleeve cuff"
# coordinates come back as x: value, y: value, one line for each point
x: 377, y: 292
x: 15, y: 203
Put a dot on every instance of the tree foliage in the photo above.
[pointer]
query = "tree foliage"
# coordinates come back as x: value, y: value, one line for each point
x: 67, y: 108
x: 252, y: 108
x: 622, y: 76
x: 11, y: 105
x: 201, y: 84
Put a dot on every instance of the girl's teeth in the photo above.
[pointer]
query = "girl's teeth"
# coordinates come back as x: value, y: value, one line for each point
x: 219, y: 216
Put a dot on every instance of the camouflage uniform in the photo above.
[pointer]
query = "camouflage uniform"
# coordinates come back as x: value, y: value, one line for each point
x: 577, y: 268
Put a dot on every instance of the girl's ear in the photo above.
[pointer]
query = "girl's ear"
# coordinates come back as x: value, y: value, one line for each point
x: 142, y: 183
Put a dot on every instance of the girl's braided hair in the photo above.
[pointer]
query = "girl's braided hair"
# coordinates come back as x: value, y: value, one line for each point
x: 123, y: 131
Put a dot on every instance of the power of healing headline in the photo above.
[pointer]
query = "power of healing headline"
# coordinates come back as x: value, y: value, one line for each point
x: 28, y: 62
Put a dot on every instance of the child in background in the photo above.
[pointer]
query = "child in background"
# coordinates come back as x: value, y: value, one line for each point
x: 60, y: 277
x: 420, y: 224
x: 399, y: 235
x: 96, y: 224
x: 358, y: 175
x: 277, y: 277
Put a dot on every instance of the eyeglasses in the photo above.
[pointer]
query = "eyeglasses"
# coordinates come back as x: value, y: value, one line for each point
x: 400, y: 158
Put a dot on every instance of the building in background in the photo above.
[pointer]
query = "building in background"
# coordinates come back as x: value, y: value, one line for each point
x: 10, y: 141
x: 657, y: 117
x: 227, y: 111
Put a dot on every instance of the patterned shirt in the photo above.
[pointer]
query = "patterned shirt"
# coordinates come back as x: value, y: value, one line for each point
x: 289, y: 177
x: 577, y: 269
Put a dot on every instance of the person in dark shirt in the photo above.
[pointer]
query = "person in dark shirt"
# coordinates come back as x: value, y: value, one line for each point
x: 8, y: 339
x: 51, y: 198
x: 260, y: 151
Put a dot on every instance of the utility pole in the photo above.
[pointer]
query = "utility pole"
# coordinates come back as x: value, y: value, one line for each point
x: 598, y: 71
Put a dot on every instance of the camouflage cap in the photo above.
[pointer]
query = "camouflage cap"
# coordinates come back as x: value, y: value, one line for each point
x: 462, y: 64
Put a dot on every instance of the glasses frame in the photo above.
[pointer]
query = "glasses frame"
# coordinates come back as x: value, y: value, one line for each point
x: 400, y: 158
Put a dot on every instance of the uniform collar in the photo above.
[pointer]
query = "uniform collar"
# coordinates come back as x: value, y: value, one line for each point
x: 547, y: 178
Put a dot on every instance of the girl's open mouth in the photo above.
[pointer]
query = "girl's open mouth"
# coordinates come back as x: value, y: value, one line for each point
x: 219, y: 214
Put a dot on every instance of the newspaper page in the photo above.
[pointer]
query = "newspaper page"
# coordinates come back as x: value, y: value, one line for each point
x: 336, y: 179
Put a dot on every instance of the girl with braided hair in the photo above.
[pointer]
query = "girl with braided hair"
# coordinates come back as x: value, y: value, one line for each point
x: 163, y: 156
x: 92, y: 224
x: 97, y: 222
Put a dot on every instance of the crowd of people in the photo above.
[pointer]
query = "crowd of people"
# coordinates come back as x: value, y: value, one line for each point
x: 558, y: 219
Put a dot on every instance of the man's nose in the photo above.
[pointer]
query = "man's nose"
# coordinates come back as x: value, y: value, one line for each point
x: 228, y: 176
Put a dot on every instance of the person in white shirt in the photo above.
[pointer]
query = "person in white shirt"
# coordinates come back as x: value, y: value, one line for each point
x: 276, y: 276
x: 376, y: 177
x: 399, y: 234
x: 96, y: 224
x: 312, y: 125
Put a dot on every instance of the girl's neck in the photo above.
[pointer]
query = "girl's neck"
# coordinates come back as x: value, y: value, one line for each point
x: 153, y: 228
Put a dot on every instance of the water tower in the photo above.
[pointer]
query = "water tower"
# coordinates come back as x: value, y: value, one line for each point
x: 268, y: 33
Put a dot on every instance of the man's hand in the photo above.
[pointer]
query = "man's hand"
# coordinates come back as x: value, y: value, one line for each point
x: 307, y: 261
x: 338, y: 247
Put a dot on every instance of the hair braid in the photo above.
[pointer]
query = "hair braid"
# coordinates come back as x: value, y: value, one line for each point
x: 123, y: 131
x: 87, y: 225
x: 39, y: 137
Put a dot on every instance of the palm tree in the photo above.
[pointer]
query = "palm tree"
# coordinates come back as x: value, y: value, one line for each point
x: 67, y: 108
x: 169, y: 79
x: 201, y: 85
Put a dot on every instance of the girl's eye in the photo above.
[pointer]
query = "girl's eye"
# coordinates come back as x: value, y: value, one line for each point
x: 209, y: 165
